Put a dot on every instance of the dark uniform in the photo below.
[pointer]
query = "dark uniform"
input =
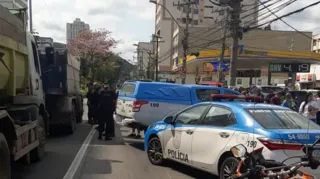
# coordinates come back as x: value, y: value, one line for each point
x: 93, y: 107
x: 105, y: 113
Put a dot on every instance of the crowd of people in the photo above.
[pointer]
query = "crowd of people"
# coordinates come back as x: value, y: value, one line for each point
x: 101, y: 106
x: 310, y: 106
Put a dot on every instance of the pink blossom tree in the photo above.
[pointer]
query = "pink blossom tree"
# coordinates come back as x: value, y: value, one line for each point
x: 94, y: 46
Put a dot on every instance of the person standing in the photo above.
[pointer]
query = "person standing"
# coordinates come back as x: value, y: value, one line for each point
x: 308, y: 108
x: 106, y: 109
x: 288, y: 102
x: 276, y: 100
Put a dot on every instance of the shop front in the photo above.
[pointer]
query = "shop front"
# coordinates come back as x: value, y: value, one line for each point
x: 306, y: 81
x: 254, y: 66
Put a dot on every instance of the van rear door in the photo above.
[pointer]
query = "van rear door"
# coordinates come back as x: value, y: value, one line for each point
x: 126, y: 99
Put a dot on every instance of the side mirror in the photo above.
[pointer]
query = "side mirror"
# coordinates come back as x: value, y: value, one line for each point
x: 239, y: 151
x: 168, y: 120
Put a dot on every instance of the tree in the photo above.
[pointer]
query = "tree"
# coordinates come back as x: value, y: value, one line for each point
x: 92, y: 46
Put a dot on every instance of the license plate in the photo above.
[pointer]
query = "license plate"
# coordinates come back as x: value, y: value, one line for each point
x: 316, y: 154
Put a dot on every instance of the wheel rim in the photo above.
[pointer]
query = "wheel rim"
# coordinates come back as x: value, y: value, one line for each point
x: 155, y: 151
x: 229, y: 169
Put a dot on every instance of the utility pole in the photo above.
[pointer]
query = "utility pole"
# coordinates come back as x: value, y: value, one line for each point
x: 236, y: 32
x: 223, y: 48
x: 30, y: 14
x: 186, y: 6
x: 156, y: 39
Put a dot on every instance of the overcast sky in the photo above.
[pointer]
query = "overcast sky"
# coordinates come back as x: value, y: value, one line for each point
x: 132, y: 21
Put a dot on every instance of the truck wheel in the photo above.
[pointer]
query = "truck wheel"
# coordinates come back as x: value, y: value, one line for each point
x: 79, y: 117
x: 5, y: 163
x: 37, y: 154
x: 73, y: 120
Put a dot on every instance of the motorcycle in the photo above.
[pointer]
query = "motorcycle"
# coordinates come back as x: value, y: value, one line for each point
x: 254, y: 166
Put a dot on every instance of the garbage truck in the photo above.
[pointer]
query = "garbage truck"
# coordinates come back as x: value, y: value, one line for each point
x: 23, y: 116
x: 61, y: 85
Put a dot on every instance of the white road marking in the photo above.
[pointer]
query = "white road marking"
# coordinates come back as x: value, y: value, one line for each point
x: 77, y: 160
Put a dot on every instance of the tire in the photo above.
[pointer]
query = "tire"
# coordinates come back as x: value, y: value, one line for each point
x: 79, y: 117
x: 5, y: 163
x: 230, y: 163
x: 38, y: 153
x: 155, y: 154
x: 71, y: 128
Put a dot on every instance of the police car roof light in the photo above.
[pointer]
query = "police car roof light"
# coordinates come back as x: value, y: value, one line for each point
x: 230, y: 96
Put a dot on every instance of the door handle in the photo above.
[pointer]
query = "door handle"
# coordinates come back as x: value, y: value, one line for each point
x: 190, y: 132
x: 224, y: 134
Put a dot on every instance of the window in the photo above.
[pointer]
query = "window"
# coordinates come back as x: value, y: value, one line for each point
x: 208, y: 17
x: 205, y: 94
x: 196, y: 1
x: 219, y: 116
x: 196, y: 11
x: 128, y: 88
x: 281, y: 119
x: 208, y: 6
x: 195, y: 22
x: 191, y: 116
x: 259, y: 82
x: 35, y: 57
x: 239, y: 81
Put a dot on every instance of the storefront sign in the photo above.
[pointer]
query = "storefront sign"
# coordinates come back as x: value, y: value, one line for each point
x: 305, y: 78
x: 289, y: 67
x: 242, y: 50
x: 214, y: 66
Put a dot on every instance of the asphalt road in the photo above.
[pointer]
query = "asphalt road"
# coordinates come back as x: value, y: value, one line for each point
x: 83, y: 156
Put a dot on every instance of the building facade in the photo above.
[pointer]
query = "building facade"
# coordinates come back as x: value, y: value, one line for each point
x: 74, y: 28
x: 144, y: 51
x: 14, y: 4
x: 269, y: 41
x: 202, y: 14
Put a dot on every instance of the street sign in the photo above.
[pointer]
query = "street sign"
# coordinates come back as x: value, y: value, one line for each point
x: 289, y: 67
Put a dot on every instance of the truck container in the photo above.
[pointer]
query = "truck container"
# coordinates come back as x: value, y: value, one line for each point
x: 23, y: 117
x: 61, y: 84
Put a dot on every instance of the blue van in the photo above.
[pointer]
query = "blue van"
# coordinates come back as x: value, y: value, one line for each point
x: 141, y: 104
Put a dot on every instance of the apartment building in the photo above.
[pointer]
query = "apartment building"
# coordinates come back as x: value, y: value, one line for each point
x: 74, y: 28
x: 202, y: 14
x: 144, y: 50
x: 14, y: 4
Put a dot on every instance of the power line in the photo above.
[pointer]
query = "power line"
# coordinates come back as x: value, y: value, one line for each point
x: 286, y: 22
x: 46, y: 4
x: 283, y: 16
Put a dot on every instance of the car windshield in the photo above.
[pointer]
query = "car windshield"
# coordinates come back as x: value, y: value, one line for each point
x: 281, y: 119
x: 205, y: 94
x: 271, y: 89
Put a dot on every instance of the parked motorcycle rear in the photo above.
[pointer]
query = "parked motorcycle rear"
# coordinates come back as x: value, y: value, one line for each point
x: 254, y: 166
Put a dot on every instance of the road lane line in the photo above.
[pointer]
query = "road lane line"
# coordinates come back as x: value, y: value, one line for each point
x: 80, y: 155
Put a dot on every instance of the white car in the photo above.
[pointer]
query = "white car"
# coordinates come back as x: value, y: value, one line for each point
x: 202, y: 135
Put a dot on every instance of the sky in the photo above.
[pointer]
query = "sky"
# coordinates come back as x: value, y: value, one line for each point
x: 132, y: 21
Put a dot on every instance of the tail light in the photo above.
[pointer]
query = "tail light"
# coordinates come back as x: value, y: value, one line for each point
x: 137, y: 105
x: 278, y: 144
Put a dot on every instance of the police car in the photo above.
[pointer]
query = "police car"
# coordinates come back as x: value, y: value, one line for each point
x: 201, y: 135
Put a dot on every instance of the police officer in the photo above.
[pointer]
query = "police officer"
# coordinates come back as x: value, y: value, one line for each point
x: 89, y: 98
x: 106, y: 109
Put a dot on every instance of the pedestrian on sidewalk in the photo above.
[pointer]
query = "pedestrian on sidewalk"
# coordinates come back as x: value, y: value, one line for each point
x: 105, y: 113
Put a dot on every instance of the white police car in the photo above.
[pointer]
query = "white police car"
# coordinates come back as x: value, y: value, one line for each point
x: 201, y: 135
